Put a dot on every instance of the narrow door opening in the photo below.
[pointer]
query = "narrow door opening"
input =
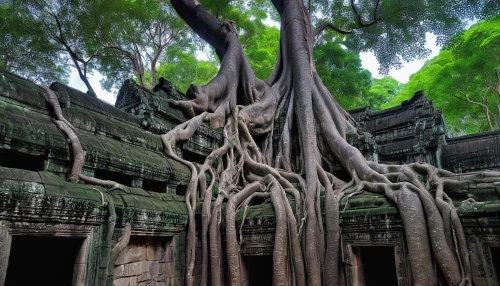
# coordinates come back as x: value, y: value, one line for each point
x: 259, y: 270
x: 375, y: 265
x: 39, y: 260
x: 495, y: 258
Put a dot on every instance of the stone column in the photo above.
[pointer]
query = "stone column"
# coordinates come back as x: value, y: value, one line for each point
x: 5, y: 242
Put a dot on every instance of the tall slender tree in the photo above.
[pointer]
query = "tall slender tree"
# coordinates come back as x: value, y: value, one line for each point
x: 65, y: 25
x: 137, y: 32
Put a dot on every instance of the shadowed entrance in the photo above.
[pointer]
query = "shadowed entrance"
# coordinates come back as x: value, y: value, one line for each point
x: 39, y: 260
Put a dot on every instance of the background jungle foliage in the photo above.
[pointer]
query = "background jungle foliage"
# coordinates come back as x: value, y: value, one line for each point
x: 463, y: 80
x: 146, y: 40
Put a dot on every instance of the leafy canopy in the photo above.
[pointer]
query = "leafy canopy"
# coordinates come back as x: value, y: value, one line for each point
x: 24, y: 48
x: 183, y: 69
x: 395, y: 30
x: 466, y: 67
x: 341, y: 72
x: 134, y: 37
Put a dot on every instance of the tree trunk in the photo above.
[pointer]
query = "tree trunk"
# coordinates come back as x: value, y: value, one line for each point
x: 83, y: 77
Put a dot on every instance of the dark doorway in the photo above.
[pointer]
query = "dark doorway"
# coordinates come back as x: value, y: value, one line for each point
x: 17, y: 160
x: 495, y: 257
x: 259, y: 269
x: 154, y: 186
x: 193, y: 157
x: 378, y: 265
x: 120, y: 178
x: 39, y: 260
x: 181, y: 190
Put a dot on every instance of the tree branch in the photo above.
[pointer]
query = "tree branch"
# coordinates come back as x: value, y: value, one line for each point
x: 361, y: 25
x: 487, y: 110
x: 323, y: 26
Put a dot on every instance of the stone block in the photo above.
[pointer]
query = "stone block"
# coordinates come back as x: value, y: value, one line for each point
x: 79, y: 274
x: 133, y: 281
x: 197, y: 270
x: 169, y: 254
x: 162, y: 268
x: 168, y: 270
x: 153, y: 252
x: 183, y: 260
x: 119, y: 271
x: 81, y: 257
x: 154, y: 269
x: 131, y: 254
x: 160, y: 278
x: 140, y: 241
x: 144, y: 277
x: 198, y: 254
x: 162, y: 254
x: 136, y: 268
x: 121, y: 282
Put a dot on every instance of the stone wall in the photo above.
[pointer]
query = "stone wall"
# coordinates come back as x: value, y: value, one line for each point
x: 147, y: 261
x: 411, y: 132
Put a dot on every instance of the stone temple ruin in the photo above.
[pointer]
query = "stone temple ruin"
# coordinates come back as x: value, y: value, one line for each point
x: 55, y: 232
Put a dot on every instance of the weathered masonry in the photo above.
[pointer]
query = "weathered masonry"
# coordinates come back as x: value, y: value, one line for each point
x: 70, y: 230
x: 74, y: 232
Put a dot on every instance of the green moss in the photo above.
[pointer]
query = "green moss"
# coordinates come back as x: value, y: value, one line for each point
x: 139, y: 192
x: 23, y: 175
x: 492, y: 207
x: 48, y: 178
x: 55, y: 191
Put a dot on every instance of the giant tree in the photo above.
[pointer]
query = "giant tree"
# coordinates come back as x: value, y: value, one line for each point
x: 287, y: 129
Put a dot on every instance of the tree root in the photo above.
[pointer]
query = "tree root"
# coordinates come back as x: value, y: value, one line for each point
x: 109, y: 255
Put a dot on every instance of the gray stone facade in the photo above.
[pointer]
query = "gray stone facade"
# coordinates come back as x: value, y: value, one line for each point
x: 122, y: 143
